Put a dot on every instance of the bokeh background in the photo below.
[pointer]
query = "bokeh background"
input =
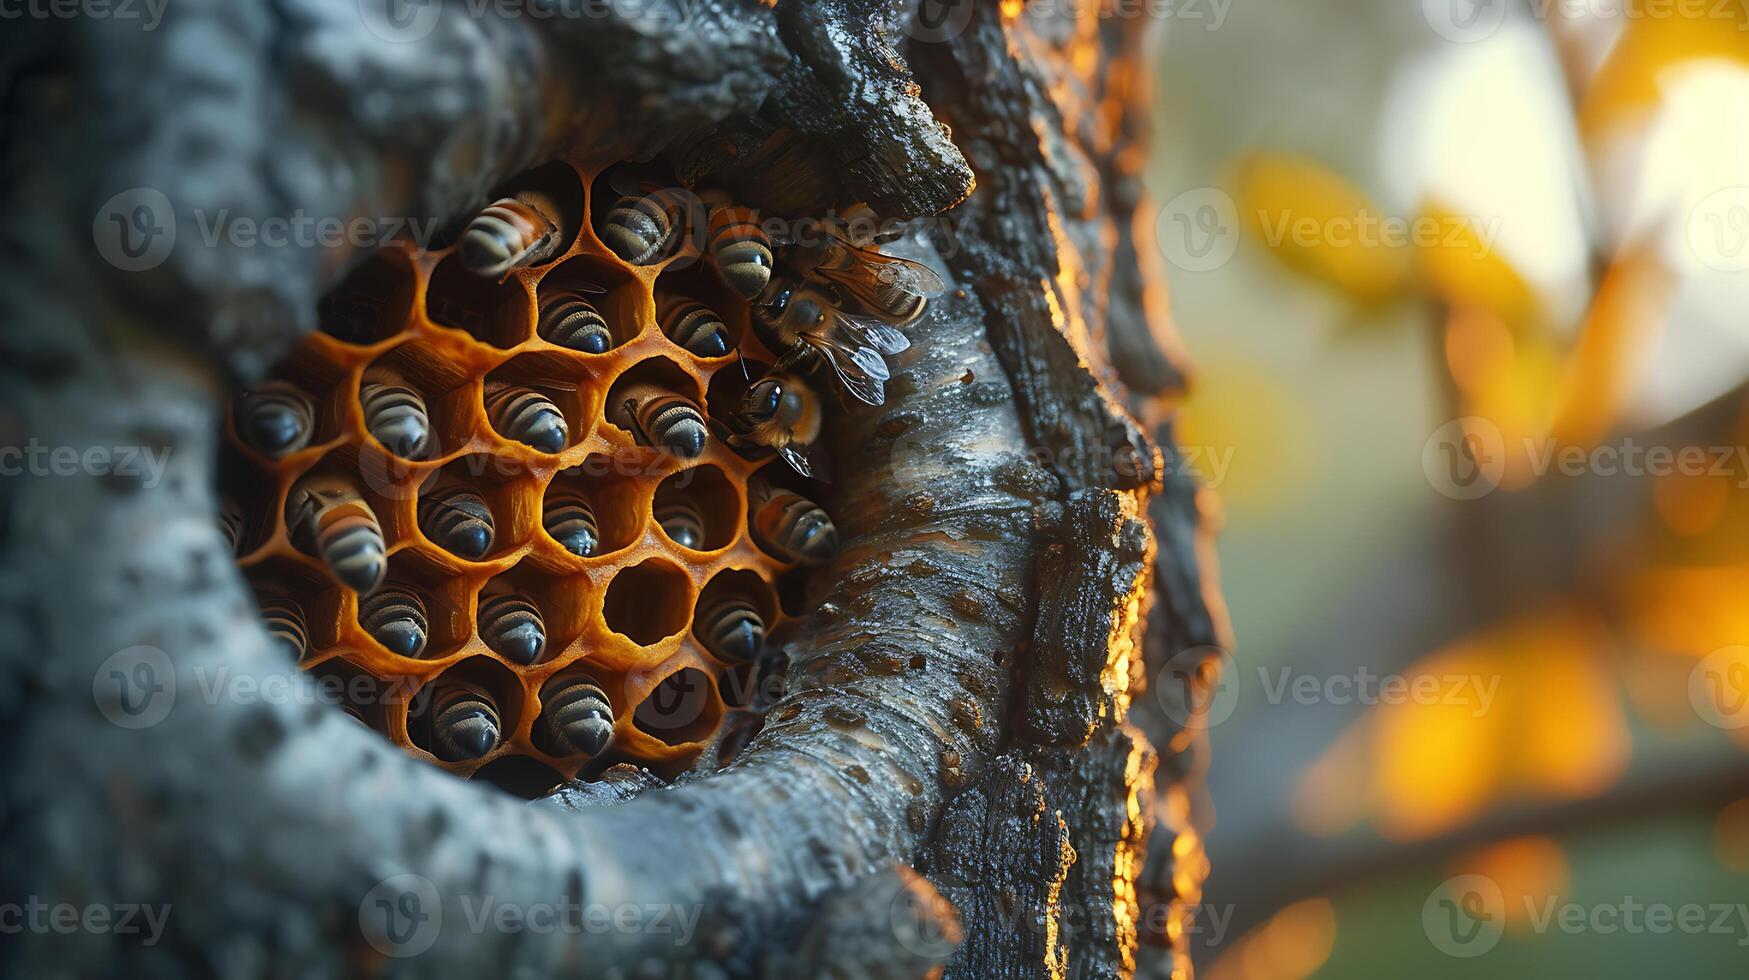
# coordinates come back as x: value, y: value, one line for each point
x: 1467, y: 287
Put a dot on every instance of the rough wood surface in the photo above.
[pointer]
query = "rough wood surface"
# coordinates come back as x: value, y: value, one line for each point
x: 287, y: 841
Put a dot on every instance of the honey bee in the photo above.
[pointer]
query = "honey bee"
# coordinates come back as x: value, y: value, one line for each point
x: 513, y: 232
x: 731, y: 628
x: 740, y: 249
x: 396, y: 417
x: 696, y: 327
x: 656, y: 417
x: 643, y: 225
x: 512, y: 627
x: 578, y: 716
x: 275, y: 419
x: 804, y: 325
x: 231, y: 524
x: 395, y: 617
x: 458, y: 521
x: 792, y: 527
x: 893, y: 289
x: 285, y: 625
x: 681, y: 521
x: 779, y: 412
x: 465, y: 723
x: 527, y: 416
x: 330, y: 518
x: 569, y: 320
x: 571, y: 523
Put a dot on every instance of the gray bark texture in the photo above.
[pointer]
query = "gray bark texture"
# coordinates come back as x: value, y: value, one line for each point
x: 952, y: 727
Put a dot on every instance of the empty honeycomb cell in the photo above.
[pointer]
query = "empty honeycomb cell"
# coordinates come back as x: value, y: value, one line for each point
x: 373, y: 303
x: 364, y: 697
x: 247, y: 499
x: 584, y: 285
x: 683, y: 708
x: 648, y: 602
x: 498, y: 313
x: 521, y: 397
x: 594, y: 509
x: 698, y: 508
x: 686, y: 285
x: 468, y: 713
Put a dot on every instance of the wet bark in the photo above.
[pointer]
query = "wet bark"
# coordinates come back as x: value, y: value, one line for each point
x: 956, y: 701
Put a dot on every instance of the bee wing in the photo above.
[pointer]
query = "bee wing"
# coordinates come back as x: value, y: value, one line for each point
x: 796, y: 460
x: 860, y: 369
x: 891, y: 270
x: 871, y: 332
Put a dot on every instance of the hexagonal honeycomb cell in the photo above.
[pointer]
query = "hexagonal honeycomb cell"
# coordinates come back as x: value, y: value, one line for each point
x: 545, y: 595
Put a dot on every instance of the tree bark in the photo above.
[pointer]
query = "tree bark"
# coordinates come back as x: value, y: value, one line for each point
x: 955, y: 702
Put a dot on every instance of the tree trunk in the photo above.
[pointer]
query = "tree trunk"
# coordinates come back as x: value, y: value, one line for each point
x: 956, y: 702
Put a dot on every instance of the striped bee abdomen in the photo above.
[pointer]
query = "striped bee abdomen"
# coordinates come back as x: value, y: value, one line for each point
x: 510, y: 233
x: 275, y: 419
x: 231, y: 524
x: 571, y: 523
x: 512, y: 627
x: 697, y: 328
x: 569, y: 320
x: 459, y: 521
x: 663, y: 419
x: 731, y: 628
x: 794, y: 528
x: 638, y: 229
x: 741, y: 249
x: 578, y: 717
x: 396, y: 417
x: 465, y: 723
x: 682, y: 522
x: 396, y: 618
x: 285, y: 625
x: 527, y: 416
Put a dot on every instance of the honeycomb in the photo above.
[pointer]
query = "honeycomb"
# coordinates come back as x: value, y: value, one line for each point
x: 640, y: 618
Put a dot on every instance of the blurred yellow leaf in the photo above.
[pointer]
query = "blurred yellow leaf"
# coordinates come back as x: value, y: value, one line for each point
x: 1632, y: 78
x: 1319, y: 224
x: 1462, y: 268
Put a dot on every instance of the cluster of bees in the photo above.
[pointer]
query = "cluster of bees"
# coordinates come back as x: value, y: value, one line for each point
x: 824, y: 307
